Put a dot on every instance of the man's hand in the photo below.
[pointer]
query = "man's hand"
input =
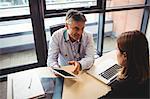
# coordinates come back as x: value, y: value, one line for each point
x: 77, y: 66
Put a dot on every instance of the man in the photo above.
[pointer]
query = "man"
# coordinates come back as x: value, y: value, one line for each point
x: 71, y: 44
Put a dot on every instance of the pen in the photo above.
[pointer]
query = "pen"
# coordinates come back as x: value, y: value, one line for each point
x: 30, y: 84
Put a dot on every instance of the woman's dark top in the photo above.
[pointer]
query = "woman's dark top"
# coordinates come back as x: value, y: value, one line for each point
x: 128, y: 89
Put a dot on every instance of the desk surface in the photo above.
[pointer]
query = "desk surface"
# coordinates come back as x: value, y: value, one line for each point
x: 86, y: 86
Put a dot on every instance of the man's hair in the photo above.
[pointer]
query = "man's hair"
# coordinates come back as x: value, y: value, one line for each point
x: 74, y: 15
x: 135, y: 45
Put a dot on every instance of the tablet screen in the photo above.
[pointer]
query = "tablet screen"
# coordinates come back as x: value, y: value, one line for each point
x: 63, y: 72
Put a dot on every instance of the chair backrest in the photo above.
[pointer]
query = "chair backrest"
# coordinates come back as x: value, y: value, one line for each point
x: 54, y: 28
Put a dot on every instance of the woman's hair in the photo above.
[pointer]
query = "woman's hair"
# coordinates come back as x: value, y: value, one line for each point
x: 135, y: 45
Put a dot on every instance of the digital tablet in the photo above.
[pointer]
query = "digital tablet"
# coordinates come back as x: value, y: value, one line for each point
x: 64, y: 73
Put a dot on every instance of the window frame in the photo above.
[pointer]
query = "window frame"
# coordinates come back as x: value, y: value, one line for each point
x: 87, y: 9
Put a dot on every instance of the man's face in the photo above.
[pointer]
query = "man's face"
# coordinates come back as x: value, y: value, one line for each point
x: 75, y: 29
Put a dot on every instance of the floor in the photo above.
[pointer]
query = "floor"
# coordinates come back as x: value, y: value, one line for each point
x: 29, y: 57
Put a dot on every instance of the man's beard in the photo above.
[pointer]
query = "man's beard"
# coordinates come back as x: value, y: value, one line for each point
x: 75, y: 36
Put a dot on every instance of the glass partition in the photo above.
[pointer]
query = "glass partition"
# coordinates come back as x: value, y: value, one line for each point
x: 63, y: 4
x: 16, y: 43
x: 14, y: 7
x: 121, y: 3
x: 119, y: 22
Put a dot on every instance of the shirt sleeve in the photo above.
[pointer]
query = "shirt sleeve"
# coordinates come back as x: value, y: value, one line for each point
x: 53, y: 51
x: 88, y: 60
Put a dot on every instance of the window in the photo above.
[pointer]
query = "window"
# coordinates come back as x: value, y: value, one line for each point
x: 16, y: 37
x: 14, y: 7
x: 63, y: 4
x: 17, y: 46
x: 123, y: 3
x: 68, y: 4
x: 118, y: 22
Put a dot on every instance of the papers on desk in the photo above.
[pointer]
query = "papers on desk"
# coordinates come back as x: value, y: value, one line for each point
x: 27, y: 85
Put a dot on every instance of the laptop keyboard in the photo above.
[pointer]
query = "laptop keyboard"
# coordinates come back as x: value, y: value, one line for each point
x: 110, y: 72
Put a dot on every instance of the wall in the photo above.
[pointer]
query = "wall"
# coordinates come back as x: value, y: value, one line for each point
x: 126, y: 20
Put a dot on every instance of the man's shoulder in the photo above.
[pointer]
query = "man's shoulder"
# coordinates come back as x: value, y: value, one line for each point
x: 87, y: 33
x: 59, y: 32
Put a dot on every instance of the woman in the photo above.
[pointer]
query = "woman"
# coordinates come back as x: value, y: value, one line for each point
x: 133, y: 56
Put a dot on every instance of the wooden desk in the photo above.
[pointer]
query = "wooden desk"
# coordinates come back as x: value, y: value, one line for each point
x: 86, y: 86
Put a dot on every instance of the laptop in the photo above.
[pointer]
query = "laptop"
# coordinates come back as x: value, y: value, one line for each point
x: 105, y: 71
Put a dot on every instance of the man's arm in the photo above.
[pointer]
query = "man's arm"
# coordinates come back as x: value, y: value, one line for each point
x: 53, y: 51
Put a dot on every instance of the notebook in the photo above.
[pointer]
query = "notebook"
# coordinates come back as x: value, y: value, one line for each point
x: 105, y: 71
x: 27, y: 85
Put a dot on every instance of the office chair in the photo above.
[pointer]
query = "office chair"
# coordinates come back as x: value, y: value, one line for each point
x: 54, y: 28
